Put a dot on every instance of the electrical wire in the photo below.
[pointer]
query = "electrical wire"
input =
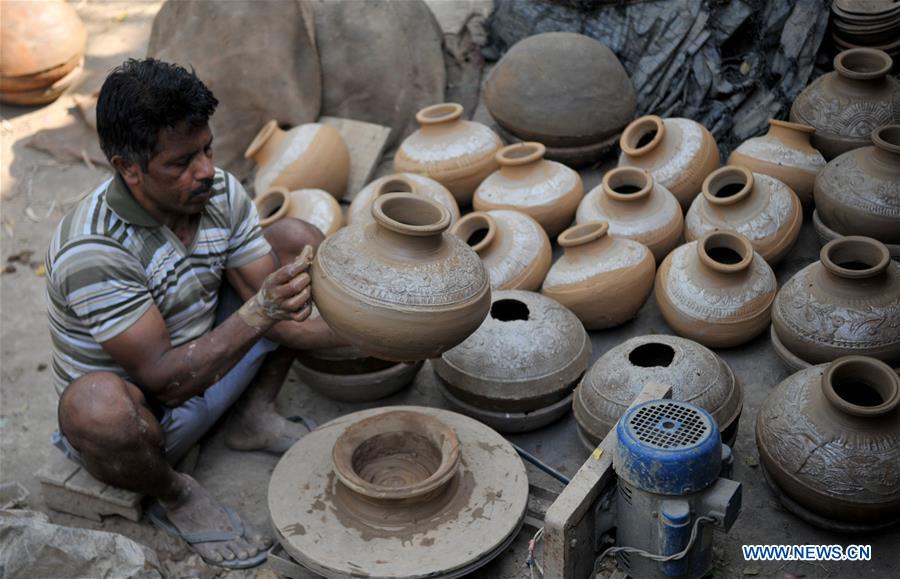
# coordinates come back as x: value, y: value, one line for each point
x: 661, y: 558
x: 531, y: 562
x: 541, y: 465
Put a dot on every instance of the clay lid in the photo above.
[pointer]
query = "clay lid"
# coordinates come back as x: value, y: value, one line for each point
x: 38, y: 36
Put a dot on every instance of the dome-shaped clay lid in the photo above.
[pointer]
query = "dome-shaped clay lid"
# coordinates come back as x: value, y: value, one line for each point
x: 528, y: 348
x: 696, y: 375
x: 38, y: 36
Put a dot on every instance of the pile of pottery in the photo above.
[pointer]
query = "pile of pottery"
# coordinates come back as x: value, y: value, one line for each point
x: 861, y: 23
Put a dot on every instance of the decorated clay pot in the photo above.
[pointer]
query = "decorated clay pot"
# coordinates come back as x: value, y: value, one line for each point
x: 401, y: 288
x: 455, y: 152
x: 636, y: 208
x: 785, y: 153
x: 759, y: 207
x: 848, y: 303
x: 314, y: 206
x: 546, y: 190
x: 846, y: 105
x: 829, y: 442
x: 678, y: 153
x: 310, y: 156
x: 716, y: 290
x: 858, y: 193
x: 361, y: 208
x: 604, y: 280
x: 696, y: 375
x: 513, y: 246
x: 348, y: 375
x: 518, y: 370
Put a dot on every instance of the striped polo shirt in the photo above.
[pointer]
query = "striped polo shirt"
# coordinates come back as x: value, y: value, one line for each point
x: 110, y: 261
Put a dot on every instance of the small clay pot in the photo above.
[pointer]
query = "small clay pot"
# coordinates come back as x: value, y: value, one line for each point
x: 314, y: 206
x: 546, y: 190
x: 361, y: 207
x: 513, y: 246
x: 858, y: 193
x: 455, y: 152
x: 526, y: 356
x: 309, y: 156
x: 846, y: 304
x: 716, y: 290
x: 401, y: 288
x: 347, y: 375
x: 636, y: 208
x: 829, y: 443
x: 678, y: 153
x: 759, y: 207
x: 604, y: 280
x: 785, y: 152
x: 844, y: 106
x: 696, y: 375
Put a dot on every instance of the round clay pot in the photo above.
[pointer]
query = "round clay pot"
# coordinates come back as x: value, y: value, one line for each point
x: 309, y: 156
x: 314, y: 206
x: 455, y: 152
x: 696, y: 375
x: 636, y: 208
x: 401, y: 288
x: 759, y: 207
x: 513, y: 246
x: 604, y: 280
x: 527, y: 355
x: 847, y: 303
x: 546, y: 190
x: 858, y: 193
x: 678, y: 153
x: 785, y: 153
x: 829, y: 441
x: 361, y: 207
x: 846, y: 105
x: 347, y: 375
x: 716, y: 290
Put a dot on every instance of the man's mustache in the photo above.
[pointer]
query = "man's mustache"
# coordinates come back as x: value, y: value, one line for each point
x: 203, y: 189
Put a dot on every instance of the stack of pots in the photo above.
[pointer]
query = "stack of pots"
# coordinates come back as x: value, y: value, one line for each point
x: 866, y: 24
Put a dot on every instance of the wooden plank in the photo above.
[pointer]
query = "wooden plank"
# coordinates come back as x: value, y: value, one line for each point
x: 120, y: 497
x: 82, y: 482
x: 366, y: 143
x: 57, y: 470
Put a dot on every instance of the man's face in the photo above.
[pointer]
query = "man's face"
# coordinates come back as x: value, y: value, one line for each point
x: 179, y: 177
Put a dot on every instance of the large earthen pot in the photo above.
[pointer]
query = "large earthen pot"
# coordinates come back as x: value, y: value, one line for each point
x: 784, y: 152
x: 315, y: 206
x: 846, y: 105
x: 604, y: 280
x: 759, y: 207
x: 829, y: 443
x: 636, y: 207
x: 360, y: 210
x: 546, y: 190
x: 848, y: 303
x: 455, y: 152
x: 401, y: 288
x: 517, y: 371
x: 716, y: 290
x: 514, y: 247
x: 858, y: 193
x: 679, y: 153
x: 696, y: 374
x: 346, y: 374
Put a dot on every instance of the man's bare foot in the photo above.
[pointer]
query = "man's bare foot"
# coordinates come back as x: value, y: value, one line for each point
x: 196, y: 511
x: 260, y: 427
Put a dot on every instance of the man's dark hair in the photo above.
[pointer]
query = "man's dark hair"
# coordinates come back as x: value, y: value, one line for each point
x: 142, y: 97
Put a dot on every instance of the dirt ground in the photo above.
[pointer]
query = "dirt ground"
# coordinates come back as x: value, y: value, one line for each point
x: 37, y: 188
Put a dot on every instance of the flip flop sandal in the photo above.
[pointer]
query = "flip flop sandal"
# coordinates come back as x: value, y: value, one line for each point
x: 160, y: 520
x: 309, y: 423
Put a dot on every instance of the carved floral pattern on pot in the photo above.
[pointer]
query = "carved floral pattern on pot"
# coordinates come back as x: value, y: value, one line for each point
x: 360, y: 210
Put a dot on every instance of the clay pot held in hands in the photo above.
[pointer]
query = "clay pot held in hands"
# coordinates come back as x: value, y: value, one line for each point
x: 847, y: 303
x: 858, y: 193
x: 846, y: 105
x: 604, y: 280
x: 518, y: 370
x: 310, y: 156
x: 348, y: 375
x: 696, y: 375
x: 759, y: 207
x: 785, y: 153
x: 314, y: 206
x: 678, y: 153
x: 361, y: 208
x: 546, y: 190
x: 401, y: 288
x: 716, y: 291
x: 636, y: 208
x: 829, y: 443
x: 513, y: 246
x: 455, y: 152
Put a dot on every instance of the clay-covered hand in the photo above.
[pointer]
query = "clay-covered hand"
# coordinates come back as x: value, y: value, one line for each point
x: 284, y: 295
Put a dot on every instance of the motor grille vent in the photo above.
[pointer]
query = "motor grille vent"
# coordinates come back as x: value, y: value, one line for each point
x: 668, y: 425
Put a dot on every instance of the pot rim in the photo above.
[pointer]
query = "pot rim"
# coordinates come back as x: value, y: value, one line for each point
x: 632, y: 134
x: 634, y: 176
x: 881, y: 60
x: 260, y: 139
x: 267, y: 199
x: 855, y: 244
x: 887, y: 385
x: 799, y: 127
x: 473, y: 222
x: 518, y: 154
x: 439, y: 113
x: 384, y: 205
x: 728, y: 239
x: 583, y: 233
x: 887, y: 138
x: 396, y: 180
x: 728, y: 175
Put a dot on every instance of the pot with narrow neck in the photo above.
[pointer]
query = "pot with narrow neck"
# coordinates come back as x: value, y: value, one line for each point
x: 759, y: 207
x: 360, y: 210
x: 315, y: 206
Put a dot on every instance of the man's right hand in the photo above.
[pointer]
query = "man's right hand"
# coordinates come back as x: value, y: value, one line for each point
x: 284, y: 295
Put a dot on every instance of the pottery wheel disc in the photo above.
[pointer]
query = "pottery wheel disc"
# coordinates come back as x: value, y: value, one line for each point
x: 318, y: 525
